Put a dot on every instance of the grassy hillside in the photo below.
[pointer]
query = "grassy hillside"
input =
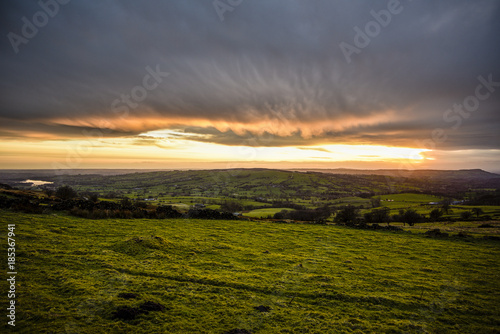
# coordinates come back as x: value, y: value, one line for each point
x: 420, y: 203
x: 256, y: 187
x: 240, y: 182
x: 217, y: 276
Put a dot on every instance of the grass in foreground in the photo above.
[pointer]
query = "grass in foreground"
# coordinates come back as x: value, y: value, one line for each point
x: 210, y: 276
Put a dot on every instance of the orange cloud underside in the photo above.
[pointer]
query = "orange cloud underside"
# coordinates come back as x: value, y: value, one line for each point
x: 279, y: 126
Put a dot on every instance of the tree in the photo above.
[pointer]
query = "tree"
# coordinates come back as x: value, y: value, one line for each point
x: 378, y: 216
x: 49, y: 192
x: 435, y: 214
x: 466, y: 215
x: 281, y: 215
x: 477, y: 211
x: 347, y: 215
x: 94, y: 198
x: 231, y: 206
x: 446, y: 207
x: 411, y: 217
x: 66, y: 192
x: 317, y: 215
x: 375, y: 201
x: 167, y: 211
x: 126, y: 203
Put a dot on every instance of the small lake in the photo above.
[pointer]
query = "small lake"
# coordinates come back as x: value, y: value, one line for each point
x: 36, y: 182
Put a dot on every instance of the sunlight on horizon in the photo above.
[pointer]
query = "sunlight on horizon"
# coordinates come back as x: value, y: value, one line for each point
x: 171, y: 139
x: 179, y: 147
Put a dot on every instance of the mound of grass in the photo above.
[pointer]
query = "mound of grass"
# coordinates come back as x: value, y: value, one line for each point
x: 141, y: 245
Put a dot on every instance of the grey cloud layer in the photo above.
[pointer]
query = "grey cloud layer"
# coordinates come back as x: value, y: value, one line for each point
x: 269, y: 59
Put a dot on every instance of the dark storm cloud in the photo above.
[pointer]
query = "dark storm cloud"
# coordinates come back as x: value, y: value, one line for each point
x: 15, y: 128
x: 270, y: 59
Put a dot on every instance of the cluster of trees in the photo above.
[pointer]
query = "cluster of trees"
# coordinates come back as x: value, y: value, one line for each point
x: 66, y: 192
x: 485, y: 198
x: 409, y: 216
x: 466, y: 215
x: 160, y: 212
x: 20, y: 203
x: 350, y: 215
x: 437, y: 214
x: 67, y: 199
x: 92, y: 208
x: 209, y: 214
x: 319, y: 215
x: 231, y: 206
x: 129, y: 209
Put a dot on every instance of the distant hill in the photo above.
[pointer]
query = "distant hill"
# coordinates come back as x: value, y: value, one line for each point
x: 477, y: 174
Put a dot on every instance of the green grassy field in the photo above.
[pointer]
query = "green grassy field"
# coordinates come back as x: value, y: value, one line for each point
x: 264, y: 213
x: 453, y: 228
x: 407, y: 199
x: 420, y: 203
x: 210, y: 276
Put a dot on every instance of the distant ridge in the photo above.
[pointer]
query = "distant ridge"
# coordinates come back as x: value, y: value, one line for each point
x: 416, y: 173
x: 476, y: 173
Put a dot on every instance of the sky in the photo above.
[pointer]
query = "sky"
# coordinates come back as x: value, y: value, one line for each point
x: 250, y: 83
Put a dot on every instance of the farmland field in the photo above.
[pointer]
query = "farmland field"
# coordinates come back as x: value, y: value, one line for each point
x: 215, y: 276
x: 264, y: 213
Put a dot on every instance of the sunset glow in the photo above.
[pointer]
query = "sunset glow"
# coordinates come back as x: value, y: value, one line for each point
x: 172, y: 151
